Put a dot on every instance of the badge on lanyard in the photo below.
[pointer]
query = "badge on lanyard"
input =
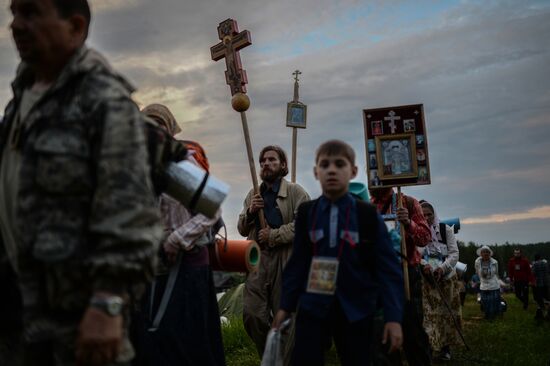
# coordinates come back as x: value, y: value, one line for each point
x: 518, y: 267
x: 323, y: 274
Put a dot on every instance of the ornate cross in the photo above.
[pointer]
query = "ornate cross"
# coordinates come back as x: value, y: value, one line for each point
x: 296, y: 74
x: 231, y: 42
x: 392, y: 118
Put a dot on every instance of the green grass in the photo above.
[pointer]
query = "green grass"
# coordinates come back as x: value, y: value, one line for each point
x: 516, y: 339
x: 239, y: 348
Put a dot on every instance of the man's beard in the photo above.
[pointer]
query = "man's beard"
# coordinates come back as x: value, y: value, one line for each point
x: 270, y: 176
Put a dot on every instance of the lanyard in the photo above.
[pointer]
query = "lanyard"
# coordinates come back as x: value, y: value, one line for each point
x: 347, y: 235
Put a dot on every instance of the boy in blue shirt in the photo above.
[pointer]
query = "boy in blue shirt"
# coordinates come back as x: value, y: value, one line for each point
x: 342, y: 260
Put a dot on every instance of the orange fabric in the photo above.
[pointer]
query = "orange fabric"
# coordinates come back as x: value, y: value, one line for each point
x: 198, y: 153
x: 236, y: 256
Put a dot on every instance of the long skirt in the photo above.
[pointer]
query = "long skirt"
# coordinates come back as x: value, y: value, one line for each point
x: 490, y: 302
x: 438, y: 322
x: 190, y: 332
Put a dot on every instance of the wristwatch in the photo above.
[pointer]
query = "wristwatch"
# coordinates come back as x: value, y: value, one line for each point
x: 111, y: 305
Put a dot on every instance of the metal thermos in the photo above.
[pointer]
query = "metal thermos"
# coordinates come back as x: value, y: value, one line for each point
x: 195, y: 188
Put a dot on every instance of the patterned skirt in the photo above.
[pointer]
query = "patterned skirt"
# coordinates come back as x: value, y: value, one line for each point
x: 438, y: 322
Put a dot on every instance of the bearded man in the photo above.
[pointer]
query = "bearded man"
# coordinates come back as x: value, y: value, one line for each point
x: 279, y: 200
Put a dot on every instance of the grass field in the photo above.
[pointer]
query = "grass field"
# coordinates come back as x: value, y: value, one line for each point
x: 516, y: 339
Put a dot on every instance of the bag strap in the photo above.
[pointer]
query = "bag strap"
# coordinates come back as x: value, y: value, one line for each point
x: 443, y: 232
x: 170, y: 284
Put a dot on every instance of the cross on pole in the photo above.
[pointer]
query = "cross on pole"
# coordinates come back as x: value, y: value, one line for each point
x: 231, y: 42
x: 392, y: 118
x: 296, y: 86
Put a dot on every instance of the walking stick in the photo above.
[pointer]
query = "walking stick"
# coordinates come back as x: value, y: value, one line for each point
x: 404, y: 262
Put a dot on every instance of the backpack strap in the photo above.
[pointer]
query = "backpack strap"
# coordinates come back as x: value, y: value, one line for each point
x: 366, y: 219
x: 443, y: 232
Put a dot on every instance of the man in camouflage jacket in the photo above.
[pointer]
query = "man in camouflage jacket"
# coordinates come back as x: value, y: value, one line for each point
x: 78, y: 217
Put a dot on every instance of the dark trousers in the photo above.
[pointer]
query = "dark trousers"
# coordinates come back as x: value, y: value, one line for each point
x: 540, y: 293
x: 521, y: 289
x: 416, y: 343
x: 313, y: 334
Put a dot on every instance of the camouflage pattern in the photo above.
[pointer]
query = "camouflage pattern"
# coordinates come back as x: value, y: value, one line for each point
x: 86, y: 209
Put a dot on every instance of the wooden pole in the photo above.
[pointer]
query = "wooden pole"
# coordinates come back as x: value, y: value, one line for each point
x: 251, y: 164
x: 294, y: 141
x: 403, y: 250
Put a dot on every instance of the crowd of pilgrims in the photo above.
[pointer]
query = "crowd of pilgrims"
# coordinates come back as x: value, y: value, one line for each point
x: 100, y: 267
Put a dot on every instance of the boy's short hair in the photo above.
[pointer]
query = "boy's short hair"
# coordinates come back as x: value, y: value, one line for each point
x: 335, y: 147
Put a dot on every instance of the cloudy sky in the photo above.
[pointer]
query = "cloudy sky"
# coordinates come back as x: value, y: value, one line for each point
x: 481, y: 69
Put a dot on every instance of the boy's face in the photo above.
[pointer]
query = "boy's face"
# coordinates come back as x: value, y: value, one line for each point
x: 334, y: 173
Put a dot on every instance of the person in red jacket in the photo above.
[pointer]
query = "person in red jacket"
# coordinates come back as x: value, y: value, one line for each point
x: 519, y: 271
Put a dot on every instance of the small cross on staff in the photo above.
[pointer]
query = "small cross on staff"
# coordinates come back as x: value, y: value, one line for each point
x: 296, y: 118
x: 231, y: 42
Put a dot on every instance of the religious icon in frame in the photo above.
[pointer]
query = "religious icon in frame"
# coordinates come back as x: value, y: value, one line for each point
x: 423, y: 174
x: 377, y: 128
x: 296, y: 115
x: 396, y: 135
x: 396, y: 156
x: 409, y: 125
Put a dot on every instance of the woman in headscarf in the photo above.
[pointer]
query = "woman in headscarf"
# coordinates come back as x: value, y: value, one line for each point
x: 487, y: 270
x: 188, y: 330
x: 440, y: 290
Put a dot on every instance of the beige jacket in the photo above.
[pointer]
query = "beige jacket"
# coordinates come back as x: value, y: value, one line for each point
x: 290, y: 196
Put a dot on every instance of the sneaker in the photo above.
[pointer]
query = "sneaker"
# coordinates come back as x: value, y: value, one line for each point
x: 445, y: 356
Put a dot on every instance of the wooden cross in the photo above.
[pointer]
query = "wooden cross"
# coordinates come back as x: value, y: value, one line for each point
x: 392, y: 118
x: 231, y: 42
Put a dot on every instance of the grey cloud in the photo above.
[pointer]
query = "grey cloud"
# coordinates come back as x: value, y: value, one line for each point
x: 481, y: 71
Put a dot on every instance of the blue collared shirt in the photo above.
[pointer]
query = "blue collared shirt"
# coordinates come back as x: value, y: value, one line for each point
x: 271, y: 210
x: 332, y: 221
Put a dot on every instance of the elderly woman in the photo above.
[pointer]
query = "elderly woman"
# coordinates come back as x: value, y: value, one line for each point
x: 487, y: 270
x: 440, y: 290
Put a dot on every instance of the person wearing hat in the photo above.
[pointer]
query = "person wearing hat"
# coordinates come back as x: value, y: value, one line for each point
x: 487, y: 270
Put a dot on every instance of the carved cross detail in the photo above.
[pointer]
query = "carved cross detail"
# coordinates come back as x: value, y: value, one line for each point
x: 231, y: 42
x: 392, y: 118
